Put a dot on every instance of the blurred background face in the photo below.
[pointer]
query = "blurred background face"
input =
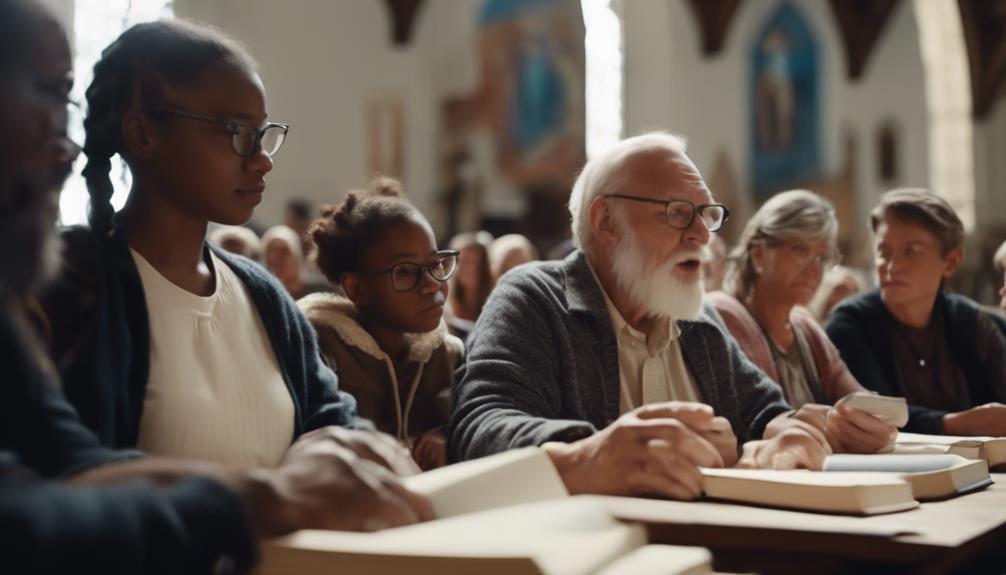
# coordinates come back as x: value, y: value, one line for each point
x: 792, y: 270
x: 909, y: 262
x: 470, y: 263
x: 281, y: 261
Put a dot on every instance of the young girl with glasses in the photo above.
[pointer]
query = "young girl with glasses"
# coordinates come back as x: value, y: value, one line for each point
x: 387, y: 337
x: 167, y: 343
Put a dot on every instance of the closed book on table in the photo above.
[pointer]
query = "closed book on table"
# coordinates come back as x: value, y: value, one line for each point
x: 991, y: 449
x: 937, y: 476
x: 845, y: 493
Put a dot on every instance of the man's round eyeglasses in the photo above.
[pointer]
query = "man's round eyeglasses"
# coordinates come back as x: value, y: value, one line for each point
x: 681, y: 213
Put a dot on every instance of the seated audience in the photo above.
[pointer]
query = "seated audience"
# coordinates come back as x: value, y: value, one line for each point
x: 839, y: 284
x: 774, y: 270
x: 509, y: 251
x: 387, y: 337
x: 471, y: 284
x: 609, y: 360
x: 911, y: 337
x: 715, y: 264
x: 69, y: 504
x: 238, y: 240
x: 284, y: 258
x: 166, y: 342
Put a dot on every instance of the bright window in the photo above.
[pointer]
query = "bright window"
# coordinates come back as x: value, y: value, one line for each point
x: 603, y: 48
x: 97, y: 23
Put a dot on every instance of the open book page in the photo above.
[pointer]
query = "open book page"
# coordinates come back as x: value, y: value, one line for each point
x: 567, y: 536
x: 932, y: 477
x: 519, y: 476
x: 660, y: 560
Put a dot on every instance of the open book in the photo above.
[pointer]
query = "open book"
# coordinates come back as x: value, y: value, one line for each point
x: 509, y: 513
x: 847, y: 493
x: 938, y: 476
x: 991, y: 449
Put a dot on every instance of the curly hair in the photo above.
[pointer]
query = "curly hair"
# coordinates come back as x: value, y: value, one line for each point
x: 344, y: 232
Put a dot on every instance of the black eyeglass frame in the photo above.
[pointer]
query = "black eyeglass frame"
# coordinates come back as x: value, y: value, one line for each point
x: 420, y: 268
x: 695, y: 209
x: 233, y: 128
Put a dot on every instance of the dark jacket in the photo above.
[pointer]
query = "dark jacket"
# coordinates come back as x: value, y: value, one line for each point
x: 47, y: 527
x: 100, y: 339
x: 542, y: 365
x: 861, y: 326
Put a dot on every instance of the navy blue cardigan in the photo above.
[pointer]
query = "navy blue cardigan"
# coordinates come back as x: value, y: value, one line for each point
x: 860, y: 328
x: 100, y: 338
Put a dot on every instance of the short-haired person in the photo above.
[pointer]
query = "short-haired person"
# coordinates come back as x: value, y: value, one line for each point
x: 608, y: 359
x: 774, y: 271
x: 911, y: 337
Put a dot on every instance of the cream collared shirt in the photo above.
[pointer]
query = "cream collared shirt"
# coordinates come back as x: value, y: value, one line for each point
x: 651, y: 367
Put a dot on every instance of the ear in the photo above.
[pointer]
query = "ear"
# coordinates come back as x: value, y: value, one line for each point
x: 951, y: 262
x: 354, y: 288
x: 139, y: 135
x: 758, y: 256
x: 603, y: 224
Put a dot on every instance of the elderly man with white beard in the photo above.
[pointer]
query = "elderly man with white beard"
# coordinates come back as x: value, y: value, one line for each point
x: 608, y: 359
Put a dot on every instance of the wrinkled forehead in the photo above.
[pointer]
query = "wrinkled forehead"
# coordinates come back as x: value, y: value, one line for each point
x: 664, y: 174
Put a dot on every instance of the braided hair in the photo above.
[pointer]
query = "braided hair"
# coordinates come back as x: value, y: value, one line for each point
x: 344, y: 232
x: 135, y: 68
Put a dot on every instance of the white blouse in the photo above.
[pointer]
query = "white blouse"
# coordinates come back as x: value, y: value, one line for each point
x: 215, y: 391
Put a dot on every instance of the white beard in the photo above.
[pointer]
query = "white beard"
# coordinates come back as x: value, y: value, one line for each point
x: 655, y: 287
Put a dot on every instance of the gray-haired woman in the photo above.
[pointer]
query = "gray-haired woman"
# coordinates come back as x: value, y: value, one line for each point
x: 773, y: 272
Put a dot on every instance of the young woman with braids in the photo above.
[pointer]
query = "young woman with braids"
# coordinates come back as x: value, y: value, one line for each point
x: 166, y: 342
x: 388, y: 337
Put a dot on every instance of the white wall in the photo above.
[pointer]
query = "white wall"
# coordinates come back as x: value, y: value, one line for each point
x: 990, y: 170
x: 322, y: 61
x: 669, y: 84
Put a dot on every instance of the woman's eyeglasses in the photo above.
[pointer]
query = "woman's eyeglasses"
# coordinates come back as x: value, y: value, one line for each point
x: 246, y: 140
x: 406, y: 275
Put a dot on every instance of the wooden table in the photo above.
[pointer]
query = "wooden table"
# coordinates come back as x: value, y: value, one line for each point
x: 966, y: 534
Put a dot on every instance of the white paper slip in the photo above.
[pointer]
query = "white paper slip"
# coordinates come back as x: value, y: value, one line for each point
x: 892, y: 410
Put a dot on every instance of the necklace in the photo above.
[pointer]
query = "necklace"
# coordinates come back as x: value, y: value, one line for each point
x: 921, y: 352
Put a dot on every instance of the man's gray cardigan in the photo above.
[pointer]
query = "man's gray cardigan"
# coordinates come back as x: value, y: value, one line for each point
x: 543, y: 366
